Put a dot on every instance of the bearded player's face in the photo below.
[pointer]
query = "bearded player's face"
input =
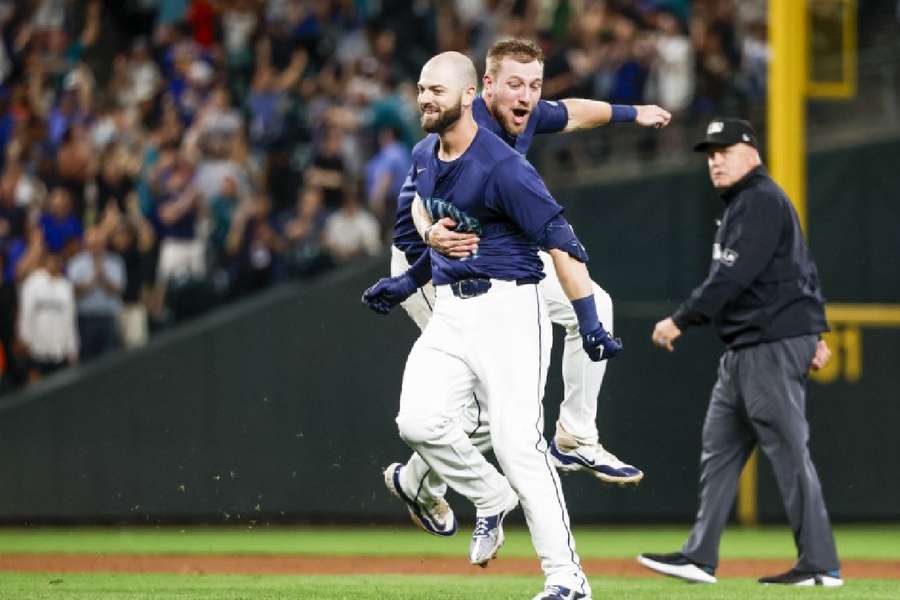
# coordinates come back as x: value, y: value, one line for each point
x: 513, y: 92
x: 440, y: 106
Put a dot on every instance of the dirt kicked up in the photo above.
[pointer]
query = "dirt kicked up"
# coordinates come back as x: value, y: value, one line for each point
x: 360, y: 565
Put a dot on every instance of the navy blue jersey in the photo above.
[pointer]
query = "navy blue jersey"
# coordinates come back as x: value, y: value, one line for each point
x: 547, y: 117
x: 491, y: 190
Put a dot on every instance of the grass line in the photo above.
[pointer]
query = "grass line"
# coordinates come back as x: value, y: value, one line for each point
x: 854, y: 542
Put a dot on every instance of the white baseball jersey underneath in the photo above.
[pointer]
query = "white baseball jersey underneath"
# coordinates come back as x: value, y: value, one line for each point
x: 497, y: 343
x: 582, y: 377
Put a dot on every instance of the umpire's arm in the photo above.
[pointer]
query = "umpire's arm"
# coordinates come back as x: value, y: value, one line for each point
x: 752, y: 231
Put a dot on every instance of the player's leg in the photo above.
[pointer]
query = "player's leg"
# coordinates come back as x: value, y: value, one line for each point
x: 513, y: 353
x: 773, y: 382
x: 428, y: 489
x: 437, y: 387
x: 576, y: 446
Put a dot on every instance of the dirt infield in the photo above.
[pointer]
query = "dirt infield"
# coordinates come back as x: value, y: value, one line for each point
x: 357, y: 565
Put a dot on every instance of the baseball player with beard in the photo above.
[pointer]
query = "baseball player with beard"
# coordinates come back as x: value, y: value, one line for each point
x: 490, y: 328
x: 510, y: 106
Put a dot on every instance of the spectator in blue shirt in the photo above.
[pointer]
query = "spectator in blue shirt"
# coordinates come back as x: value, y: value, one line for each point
x: 62, y: 229
x: 99, y: 280
x: 385, y: 174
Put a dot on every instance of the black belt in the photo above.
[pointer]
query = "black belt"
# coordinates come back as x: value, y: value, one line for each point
x: 476, y: 286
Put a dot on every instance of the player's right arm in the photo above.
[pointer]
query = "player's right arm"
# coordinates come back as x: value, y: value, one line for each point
x: 588, y: 114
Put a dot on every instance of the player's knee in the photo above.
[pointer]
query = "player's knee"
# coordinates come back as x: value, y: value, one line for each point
x: 415, y: 430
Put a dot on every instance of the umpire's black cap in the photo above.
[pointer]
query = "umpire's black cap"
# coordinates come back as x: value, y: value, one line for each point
x: 724, y: 132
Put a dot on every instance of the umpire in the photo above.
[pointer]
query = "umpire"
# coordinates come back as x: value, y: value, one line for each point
x: 762, y: 294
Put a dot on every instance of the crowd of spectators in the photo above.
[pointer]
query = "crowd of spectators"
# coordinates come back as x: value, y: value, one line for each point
x: 160, y: 156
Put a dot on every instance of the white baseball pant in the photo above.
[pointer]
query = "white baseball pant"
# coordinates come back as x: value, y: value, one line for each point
x: 582, y: 378
x: 498, y: 342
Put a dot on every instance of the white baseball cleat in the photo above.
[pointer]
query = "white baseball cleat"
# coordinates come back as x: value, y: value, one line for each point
x: 570, y: 455
x: 559, y: 592
x: 676, y: 564
x: 433, y: 515
x: 488, y: 536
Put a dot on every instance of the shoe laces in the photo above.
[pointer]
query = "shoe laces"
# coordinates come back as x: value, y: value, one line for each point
x: 482, y: 527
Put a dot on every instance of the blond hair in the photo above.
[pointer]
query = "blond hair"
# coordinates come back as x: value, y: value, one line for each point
x: 520, y: 50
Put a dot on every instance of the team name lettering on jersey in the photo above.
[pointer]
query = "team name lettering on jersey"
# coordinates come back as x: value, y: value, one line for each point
x: 726, y: 256
x: 438, y: 209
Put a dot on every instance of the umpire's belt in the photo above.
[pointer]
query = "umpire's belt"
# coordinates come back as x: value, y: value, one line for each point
x: 476, y: 286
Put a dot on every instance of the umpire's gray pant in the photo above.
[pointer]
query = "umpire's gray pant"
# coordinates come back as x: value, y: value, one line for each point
x: 760, y: 398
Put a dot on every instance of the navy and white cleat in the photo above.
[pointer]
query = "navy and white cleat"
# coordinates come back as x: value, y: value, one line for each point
x: 433, y: 515
x: 488, y: 537
x: 569, y: 456
x: 559, y: 592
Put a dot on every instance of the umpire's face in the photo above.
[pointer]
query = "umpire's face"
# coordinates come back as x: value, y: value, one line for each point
x: 513, y: 92
x: 729, y: 164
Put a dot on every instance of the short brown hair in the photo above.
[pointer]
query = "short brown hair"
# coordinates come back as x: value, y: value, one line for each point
x: 519, y: 50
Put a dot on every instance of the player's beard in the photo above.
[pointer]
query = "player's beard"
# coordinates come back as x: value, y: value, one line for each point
x: 445, y: 119
x: 506, y: 119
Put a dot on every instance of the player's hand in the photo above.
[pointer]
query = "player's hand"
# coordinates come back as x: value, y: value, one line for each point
x: 599, y: 345
x: 388, y: 293
x: 650, y: 115
x: 666, y: 332
x: 823, y: 355
x: 442, y: 238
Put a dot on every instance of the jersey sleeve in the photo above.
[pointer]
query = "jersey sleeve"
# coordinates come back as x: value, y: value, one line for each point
x: 516, y: 190
x: 552, y: 116
x: 747, y: 246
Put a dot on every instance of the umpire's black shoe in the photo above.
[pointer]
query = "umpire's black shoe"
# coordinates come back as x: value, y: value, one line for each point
x: 795, y: 577
x: 676, y: 564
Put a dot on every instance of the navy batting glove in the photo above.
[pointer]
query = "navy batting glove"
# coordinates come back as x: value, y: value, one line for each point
x: 388, y: 293
x: 599, y: 345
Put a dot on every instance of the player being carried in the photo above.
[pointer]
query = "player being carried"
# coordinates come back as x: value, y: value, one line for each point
x: 510, y: 106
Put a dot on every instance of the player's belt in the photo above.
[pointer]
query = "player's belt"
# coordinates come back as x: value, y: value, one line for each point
x: 476, y: 286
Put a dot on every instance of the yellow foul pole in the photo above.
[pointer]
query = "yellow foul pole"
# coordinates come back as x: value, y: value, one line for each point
x: 786, y: 154
x: 787, y: 99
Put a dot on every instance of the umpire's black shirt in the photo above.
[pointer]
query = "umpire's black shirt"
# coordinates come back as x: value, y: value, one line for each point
x: 763, y: 284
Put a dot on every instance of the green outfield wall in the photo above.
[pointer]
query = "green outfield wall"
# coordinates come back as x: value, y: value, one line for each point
x: 281, y: 408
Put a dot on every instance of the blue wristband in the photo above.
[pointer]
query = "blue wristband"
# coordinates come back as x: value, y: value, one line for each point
x: 623, y: 113
x: 586, y: 311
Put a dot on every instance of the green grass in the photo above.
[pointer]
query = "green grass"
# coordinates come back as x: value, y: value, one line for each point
x: 237, y: 587
x: 854, y: 542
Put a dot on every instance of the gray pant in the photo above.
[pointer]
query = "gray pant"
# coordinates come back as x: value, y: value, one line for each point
x: 760, y: 398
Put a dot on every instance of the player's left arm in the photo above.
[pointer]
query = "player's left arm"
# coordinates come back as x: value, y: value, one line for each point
x: 588, y: 114
x: 518, y: 191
